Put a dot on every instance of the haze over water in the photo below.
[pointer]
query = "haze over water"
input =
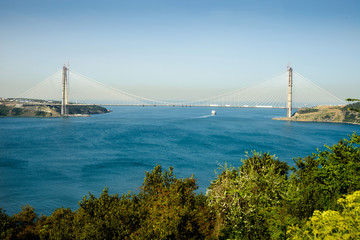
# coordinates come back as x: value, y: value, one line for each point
x: 54, y: 162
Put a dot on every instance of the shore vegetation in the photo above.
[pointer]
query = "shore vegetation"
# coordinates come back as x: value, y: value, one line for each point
x: 41, y: 108
x: 262, y: 198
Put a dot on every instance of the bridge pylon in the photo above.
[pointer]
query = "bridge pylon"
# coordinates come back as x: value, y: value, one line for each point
x: 289, y: 101
x: 64, y: 98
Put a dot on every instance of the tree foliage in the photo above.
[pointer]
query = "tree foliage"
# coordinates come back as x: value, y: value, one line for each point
x: 319, y: 180
x: 353, y: 106
x: 257, y: 200
x: 172, y: 209
x: 22, y: 225
x: 330, y: 224
x: 352, y: 99
x: 165, y: 208
x: 248, y: 199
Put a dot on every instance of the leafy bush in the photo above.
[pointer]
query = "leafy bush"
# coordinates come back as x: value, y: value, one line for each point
x: 352, y: 100
x: 319, y: 180
x: 4, y: 110
x: 165, y: 208
x: 249, y: 199
x: 16, y: 111
x: 330, y: 224
x: 22, y: 225
x: 353, y: 107
x: 40, y: 114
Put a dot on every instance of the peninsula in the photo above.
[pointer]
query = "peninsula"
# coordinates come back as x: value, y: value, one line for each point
x: 40, y: 108
x: 336, y: 114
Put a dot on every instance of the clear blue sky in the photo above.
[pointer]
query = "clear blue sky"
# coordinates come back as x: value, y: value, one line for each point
x: 174, y: 48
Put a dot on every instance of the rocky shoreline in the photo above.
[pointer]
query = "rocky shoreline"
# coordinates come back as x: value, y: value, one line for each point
x: 334, y: 114
x: 19, y: 109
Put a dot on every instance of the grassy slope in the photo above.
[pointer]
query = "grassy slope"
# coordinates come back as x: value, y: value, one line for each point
x: 345, y: 114
x: 15, y: 110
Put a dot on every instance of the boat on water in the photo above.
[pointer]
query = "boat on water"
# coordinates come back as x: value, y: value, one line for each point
x: 213, y: 113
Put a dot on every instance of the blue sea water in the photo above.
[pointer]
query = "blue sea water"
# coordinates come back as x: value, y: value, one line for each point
x: 54, y: 162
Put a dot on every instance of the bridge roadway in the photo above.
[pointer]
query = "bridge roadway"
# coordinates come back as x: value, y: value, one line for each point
x: 191, y: 105
x: 154, y: 105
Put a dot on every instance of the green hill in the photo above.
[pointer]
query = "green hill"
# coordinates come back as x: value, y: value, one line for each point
x: 336, y: 114
x: 17, y: 109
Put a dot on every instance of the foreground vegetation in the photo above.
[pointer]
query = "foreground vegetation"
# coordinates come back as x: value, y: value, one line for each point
x: 263, y: 198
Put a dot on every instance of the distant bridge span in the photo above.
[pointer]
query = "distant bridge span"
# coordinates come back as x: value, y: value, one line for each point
x: 145, y: 105
x: 287, y: 90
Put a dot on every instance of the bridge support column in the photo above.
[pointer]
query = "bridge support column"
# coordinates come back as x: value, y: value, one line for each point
x: 289, y: 102
x: 64, y: 98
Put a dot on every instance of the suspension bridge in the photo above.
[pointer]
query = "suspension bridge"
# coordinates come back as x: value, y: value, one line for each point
x: 288, y: 90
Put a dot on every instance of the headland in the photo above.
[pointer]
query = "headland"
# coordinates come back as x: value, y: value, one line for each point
x: 336, y: 114
x: 40, y: 108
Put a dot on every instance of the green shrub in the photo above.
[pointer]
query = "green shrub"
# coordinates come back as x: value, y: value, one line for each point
x: 249, y: 199
x: 16, y: 111
x: 330, y: 224
x: 319, y: 180
x: 4, y: 110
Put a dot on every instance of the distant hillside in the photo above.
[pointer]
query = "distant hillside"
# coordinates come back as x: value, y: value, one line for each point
x: 20, y: 110
x: 353, y: 106
x: 85, y: 109
x: 337, y: 114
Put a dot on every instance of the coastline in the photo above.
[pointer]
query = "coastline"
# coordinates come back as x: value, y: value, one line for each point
x: 302, y: 120
x: 47, y: 109
x: 327, y: 114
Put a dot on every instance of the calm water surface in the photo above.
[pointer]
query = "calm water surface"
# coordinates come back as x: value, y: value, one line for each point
x: 50, y: 163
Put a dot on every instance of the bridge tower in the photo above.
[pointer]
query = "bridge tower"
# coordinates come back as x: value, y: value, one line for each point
x: 64, y: 98
x: 289, y: 102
